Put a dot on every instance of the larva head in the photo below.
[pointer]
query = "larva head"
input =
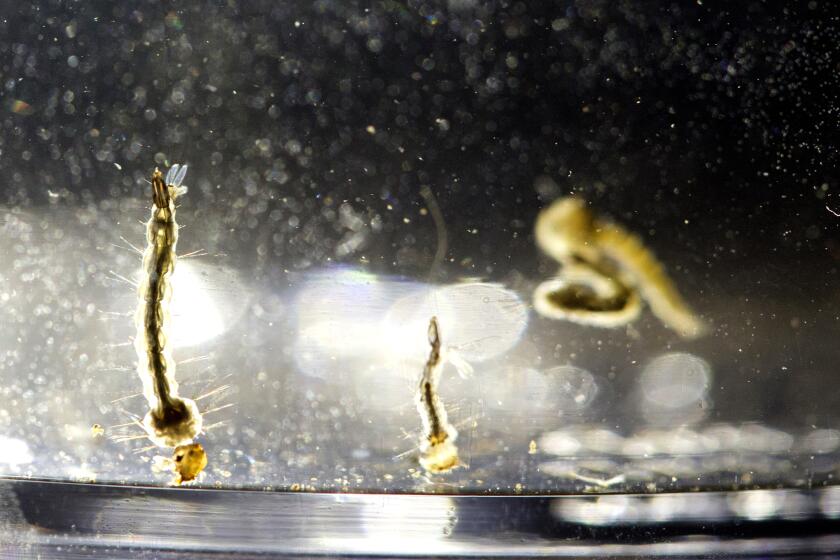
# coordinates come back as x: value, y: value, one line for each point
x: 434, y: 334
x: 160, y: 193
x: 565, y: 229
x: 173, y: 425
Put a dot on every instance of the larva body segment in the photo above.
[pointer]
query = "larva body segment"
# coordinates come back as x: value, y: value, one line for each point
x: 584, y: 296
x: 650, y: 277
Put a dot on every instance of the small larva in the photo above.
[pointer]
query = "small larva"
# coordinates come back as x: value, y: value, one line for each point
x: 438, y: 453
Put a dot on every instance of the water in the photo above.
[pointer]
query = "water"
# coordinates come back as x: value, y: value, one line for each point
x: 355, y: 170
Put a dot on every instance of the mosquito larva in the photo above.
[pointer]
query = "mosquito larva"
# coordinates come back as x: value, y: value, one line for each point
x: 172, y: 420
x: 438, y: 453
x: 605, y: 271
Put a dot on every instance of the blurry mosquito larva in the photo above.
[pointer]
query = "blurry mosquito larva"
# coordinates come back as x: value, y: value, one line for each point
x: 438, y: 453
x: 605, y: 272
x: 172, y: 420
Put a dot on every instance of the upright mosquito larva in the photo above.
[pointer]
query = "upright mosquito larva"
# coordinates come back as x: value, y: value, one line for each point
x: 172, y: 420
x: 438, y: 452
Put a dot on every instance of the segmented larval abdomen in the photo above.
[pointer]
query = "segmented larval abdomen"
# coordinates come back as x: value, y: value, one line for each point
x: 650, y: 278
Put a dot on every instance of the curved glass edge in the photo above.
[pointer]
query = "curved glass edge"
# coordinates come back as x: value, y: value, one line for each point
x: 64, y: 520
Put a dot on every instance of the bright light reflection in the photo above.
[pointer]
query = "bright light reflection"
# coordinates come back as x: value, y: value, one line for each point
x: 821, y: 441
x: 715, y: 439
x: 676, y: 380
x: 14, y: 452
x: 196, y: 316
x: 603, y: 510
x: 401, y: 523
x: 561, y: 390
x: 757, y: 504
x: 478, y: 320
x: 349, y: 315
x: 628, y: 510
x: 830, y: 502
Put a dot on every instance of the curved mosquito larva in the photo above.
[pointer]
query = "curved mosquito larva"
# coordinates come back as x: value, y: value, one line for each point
x: 172, y: 421
x: 603, y: 269
x: 438, y: 453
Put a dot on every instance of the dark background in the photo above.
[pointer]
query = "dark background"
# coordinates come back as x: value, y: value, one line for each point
x: 720, y: 113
